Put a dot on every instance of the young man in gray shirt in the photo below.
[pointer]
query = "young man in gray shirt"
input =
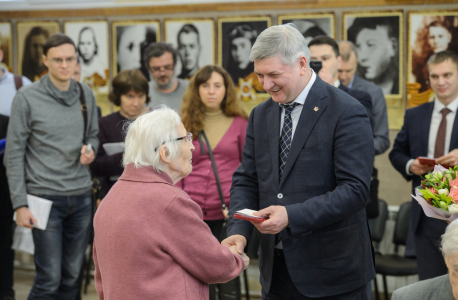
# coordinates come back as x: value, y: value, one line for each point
x: 165, y: 87
x: 47, y: 155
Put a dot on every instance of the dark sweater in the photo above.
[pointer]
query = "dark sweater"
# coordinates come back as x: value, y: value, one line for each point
x: 104, y: 165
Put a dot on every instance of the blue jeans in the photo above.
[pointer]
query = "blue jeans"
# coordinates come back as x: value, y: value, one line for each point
x: 59, y: 250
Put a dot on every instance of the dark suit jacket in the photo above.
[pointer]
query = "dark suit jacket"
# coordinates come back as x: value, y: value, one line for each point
x: 6, y: 208
x: 324, y: 187
x: 411, y: 142
x: 364, y: 98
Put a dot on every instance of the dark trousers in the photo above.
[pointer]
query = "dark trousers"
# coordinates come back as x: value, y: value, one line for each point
x: 427, y: 246
x: 230, y: 289
x: 283, y: 288
x: 6, y: 257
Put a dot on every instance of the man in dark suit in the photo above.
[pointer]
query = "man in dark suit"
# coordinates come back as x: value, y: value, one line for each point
x: 307, y: 163
x: 326, y: 50
x: 347, y: 77
x: 430, y: 130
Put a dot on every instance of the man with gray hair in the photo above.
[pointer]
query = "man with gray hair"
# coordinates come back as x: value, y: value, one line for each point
x: 165, y: 88
x: 444, y: 287
x: 348, y: 78
x: 307, y: 163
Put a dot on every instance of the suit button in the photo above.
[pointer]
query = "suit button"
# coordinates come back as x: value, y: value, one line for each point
x: 280, y: 196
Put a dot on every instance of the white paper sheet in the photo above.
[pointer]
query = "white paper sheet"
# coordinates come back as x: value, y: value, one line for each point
x: 23, y: 240
x: 113, y: 148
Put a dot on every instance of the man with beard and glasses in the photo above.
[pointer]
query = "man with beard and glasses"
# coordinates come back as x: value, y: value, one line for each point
x: 165, y: 87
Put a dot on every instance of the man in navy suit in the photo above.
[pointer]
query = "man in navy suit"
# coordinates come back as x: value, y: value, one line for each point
x: 307, y: 163
x: 430, y: 130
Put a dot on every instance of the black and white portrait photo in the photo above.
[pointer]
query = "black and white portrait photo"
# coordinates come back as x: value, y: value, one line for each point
x: 91, y: 40
x: 31, y: 37
x: 194, y: 40
x: 130, y: 40
x: 6, y: 46
x: 311, y: 25
x: 236, y: 37
x: 378, y: 39
x: 429, y: 33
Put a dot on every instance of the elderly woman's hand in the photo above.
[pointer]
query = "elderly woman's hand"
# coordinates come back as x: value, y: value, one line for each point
x: 245, y: 257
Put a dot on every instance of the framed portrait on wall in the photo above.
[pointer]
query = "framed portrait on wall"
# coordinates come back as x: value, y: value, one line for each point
x: 30, y: 38
x: 378, y: 37
x: 429, y: 32
x: 6, y: 45
x: 236, y: 36
x: 130, y: 39
x: 91, y: 40
x: 194, y: 40
x: 311, y: 25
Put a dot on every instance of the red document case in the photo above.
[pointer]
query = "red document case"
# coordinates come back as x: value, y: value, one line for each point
x: 250, y: 218
x: 427, y: 161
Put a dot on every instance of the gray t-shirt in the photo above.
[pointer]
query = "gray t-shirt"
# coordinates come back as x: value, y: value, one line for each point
x: 172, y: 100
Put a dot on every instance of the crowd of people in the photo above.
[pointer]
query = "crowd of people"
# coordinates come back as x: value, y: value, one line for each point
x: 180, y: 158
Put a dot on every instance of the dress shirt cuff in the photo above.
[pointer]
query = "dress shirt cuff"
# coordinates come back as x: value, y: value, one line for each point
x: 408, y: 167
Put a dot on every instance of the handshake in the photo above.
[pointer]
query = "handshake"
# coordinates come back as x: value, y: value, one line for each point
x: 236, y: 244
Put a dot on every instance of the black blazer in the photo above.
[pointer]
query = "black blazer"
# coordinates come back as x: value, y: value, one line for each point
x: 324, y: 187
x: 411, y: 142
x: 364, y: 98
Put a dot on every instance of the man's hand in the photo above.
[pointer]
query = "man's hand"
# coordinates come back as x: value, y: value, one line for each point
x: 326, y: 76
x: 24, y: 217
x: 237, y: 240
x: 451, y: 159
x: 278, y: 219
x: 86, y: 158
x: 418, y: 169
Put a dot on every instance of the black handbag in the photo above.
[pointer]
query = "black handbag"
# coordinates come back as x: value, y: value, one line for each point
x: 200, y: 135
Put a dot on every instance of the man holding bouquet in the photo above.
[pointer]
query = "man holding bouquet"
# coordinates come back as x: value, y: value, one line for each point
x: 429, y: 130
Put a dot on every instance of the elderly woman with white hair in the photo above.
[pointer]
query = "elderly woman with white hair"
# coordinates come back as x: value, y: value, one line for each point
x: 150, y: 240
x: 444, y: 287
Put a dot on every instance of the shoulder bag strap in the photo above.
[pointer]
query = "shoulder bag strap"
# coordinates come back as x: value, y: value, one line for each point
x: 215, y: 170
x: 83, y: 107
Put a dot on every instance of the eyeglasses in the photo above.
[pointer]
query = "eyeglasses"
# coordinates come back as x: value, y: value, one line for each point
x: 188, y: 137
x: 59, y: 61
x: 159, y: 69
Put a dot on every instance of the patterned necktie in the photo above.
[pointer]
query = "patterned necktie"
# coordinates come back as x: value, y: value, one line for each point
x: 440, y: 138
x: 286, y: 134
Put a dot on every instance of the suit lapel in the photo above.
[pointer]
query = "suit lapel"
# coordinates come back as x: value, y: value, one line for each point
x: 454, y: 137
x: 356, y: 83
x: 311, y: 112
x: 423, y: 127
x: 273, y: 133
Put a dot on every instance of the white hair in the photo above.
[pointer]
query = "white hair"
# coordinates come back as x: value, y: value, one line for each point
x: 148, y: 133
x: 284, y: 40
x: 450, y: 239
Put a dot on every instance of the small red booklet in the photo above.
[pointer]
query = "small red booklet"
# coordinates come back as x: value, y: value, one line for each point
x: 427, y: 161
x: 247, y: 214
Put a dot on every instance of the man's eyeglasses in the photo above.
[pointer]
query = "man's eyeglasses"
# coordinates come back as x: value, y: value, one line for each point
x: 188, y: 137
x: 59, y: 61
x: 159, y: 69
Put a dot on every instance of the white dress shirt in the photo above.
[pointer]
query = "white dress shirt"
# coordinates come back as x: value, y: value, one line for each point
x: 436, y: 119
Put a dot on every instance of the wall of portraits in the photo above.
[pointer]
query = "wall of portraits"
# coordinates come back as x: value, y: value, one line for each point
x: 393, y: 41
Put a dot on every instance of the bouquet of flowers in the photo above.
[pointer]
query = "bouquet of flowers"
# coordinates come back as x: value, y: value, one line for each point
x: 438, y: 194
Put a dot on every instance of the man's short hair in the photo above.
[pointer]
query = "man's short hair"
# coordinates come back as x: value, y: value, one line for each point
x: 56, y: 40
x: 325, y: 40
x: 359, y: 24
x: 442, y: 56
x: 156, y: 50
x: 449, y: 242
x: 284, y: 40
x: 346, y: 48
x: 188, y: 28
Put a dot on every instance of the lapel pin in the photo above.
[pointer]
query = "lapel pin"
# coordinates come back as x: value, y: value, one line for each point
x: 316, y: 108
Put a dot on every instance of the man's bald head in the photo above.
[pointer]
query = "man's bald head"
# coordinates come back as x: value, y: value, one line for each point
x: 349, y: 62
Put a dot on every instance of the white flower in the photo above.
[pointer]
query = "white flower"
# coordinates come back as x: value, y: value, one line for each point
x: 443, y: 192
x: 453, y: 208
